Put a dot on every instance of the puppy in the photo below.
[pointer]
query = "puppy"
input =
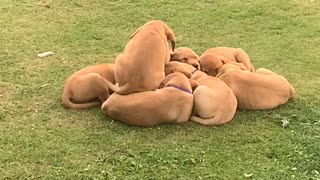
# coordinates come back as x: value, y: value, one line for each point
x: 175, y: 66
x: 214, y: 101
x: 186, y: 55
x: 232, y: 54
x: 141, y: 66
x: 86, y: 86
x: 258, y: 90
x: 211, y: 62
x: 172, y: 103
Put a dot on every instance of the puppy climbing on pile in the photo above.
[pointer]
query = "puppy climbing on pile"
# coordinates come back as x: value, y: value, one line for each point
x: 140, y: 67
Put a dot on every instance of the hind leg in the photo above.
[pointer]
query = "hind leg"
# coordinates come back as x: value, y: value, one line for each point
x: 243, y: 57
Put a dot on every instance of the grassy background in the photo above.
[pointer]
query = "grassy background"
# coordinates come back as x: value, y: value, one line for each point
x: 40, y: 139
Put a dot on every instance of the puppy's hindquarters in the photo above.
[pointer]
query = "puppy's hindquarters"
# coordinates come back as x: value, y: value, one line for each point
x: 202, y: 101
x: 84, y: 88
x: 67, y: 103
x: 209, y: 108
x: 242, y: 57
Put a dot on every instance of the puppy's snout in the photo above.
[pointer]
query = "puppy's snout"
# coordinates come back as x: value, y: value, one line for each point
x: 196, y: 66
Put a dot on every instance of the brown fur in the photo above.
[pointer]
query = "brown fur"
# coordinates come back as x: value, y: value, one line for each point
x: 175, y: 66
x: 87, y: 87
x: 211, y: 62
x: 165, y: 105
x: 186, y: 55
x: 214, y: 101
x: 141, y: 66
x: 233, y: 54
x: 258, y: 90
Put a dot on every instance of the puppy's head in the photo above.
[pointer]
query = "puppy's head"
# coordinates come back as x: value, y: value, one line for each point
x: 158, y: 23
x: 186, y: 55
x: 210, y: 63
x: 174, y: 66
x: 176, y: 79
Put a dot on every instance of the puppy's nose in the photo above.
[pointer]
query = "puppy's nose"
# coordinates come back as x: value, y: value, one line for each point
x: 196, y: 66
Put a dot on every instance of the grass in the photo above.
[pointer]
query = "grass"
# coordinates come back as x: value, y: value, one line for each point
x: 41, y: 140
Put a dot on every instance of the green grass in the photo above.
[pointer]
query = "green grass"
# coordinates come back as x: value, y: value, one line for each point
x: 41, y: 140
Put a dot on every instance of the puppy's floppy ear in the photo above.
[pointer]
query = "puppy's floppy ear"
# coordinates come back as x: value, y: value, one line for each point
x: 161, y: 85
x: 165, y: 81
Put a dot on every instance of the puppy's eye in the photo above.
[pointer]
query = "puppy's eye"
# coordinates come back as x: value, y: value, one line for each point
x: 183, y: 59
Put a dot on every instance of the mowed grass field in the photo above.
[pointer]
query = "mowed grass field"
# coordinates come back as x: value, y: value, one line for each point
x: 39, y: 139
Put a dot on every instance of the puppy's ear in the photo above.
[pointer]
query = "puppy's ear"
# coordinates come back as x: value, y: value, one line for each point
x: 165, y: 81
x: 162, y: 84
x: 194, y: 84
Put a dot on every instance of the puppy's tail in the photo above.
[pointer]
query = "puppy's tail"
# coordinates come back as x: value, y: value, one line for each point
x: 123, y: 90
x: 170, y: 36
x: 293, y: 93
x: 68, y: 104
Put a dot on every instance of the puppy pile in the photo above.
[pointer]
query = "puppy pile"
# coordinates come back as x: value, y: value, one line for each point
x: 151, y: 83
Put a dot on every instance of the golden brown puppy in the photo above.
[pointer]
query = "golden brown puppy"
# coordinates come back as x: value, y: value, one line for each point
x: 232, y: 54
x: 141, y: 66
x: 175, y: 66
x: 185, y: 55
x: 172, y: 103
x: 258, y: 90
x: 214, y: 101
x: 211, y: 62
x: 87, y: 87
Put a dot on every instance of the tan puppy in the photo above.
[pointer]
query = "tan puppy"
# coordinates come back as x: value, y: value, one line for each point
x: 175, y: 66
x: 232, y: 54
x: 141, y: 66
x: 170, y: 104
x: 214, y: 101
x: 186, y: 55
x: 86, y: 86
x: 211, y: 62
x: 258, y: 90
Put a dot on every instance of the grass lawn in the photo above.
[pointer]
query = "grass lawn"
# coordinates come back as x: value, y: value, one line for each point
x: 41, y: 140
